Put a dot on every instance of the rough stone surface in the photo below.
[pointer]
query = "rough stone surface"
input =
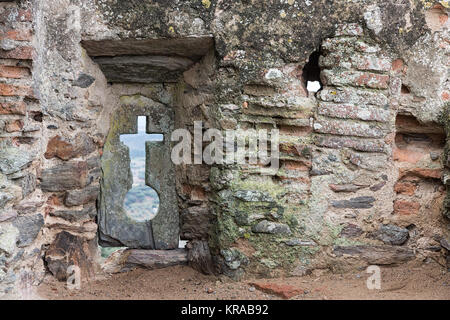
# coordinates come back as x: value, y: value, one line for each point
x: 13, y: 160
x: 370, y: 147
x: 393, y: 235
x: 271, y: 227
x: 29, y: 227
x: 65, y: 251
x: 81, y: 145
x: 67, y: 176
x: 355, y: 203
x: 87, y: 213
x: 381, y: 255
x: 82, y: 196
x: 84, y: 81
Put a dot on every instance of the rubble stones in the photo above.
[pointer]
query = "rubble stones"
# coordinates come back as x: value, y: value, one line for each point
x: 354, y: 203
x: 392, y: 234
x: 271, y: 227
x: 29, y: 227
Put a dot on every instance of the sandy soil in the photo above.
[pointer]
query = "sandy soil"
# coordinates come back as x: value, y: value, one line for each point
x: 182, y: 282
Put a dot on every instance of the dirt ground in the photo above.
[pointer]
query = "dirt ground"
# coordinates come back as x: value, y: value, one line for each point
x: 182, y: 282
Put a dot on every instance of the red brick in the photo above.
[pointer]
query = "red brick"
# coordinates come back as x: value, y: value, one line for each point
x: 404, y: 207
x: 282, y: 290
x: 297, y: 165
x: 295, y: 130
x: 14, y: 126
x: 23, y: 15
x: 348, y: 111
x: 367, y: 145
x: 12, y: 90
x: 14, y: 72
x: 406, y: 155
x: 17, y: 34
x: 373, y: 80
x: 294, y: 150
x: 421, y: 173
x: 370, y: 63
x: 12, y: 108
x: 406, y: 188
x: 24, y: 53
x: 398, y: 65
x: 346, y: 128
x: 355, y: 78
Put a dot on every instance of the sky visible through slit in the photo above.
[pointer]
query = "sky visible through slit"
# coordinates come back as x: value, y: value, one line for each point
x: 141, y: 202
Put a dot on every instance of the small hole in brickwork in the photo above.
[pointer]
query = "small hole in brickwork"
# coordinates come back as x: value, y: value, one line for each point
x: 405, y: 89
x: 37, y: 116
x: 311, y: 73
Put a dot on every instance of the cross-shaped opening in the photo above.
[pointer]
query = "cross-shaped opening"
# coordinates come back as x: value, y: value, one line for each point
x: 141, y: 202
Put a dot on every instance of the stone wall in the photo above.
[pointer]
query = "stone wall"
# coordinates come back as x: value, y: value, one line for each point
x: 21, y: 203
x: 362, y: 176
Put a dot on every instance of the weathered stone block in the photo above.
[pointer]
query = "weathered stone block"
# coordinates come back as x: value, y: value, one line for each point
x: 143, y: 69
x: 271, y: 227
x: 356, y: 78
x: 299, y: 242
x: 13, y: 160
x: 67, y: 176
x: 344, y: 187
x: 88, y: 212
x: 28, y: 184
x: 354, y: 96
x: 59, y: 147
x: 196, y: 223
x: 6, y: 215
x: 5, y: 197
x: 367, y: 145
x: 348, y: 111
x: 354, y: 203
x: 379, y: 255
x: 392, y: 234
x: 355, y: 61
x: 29, y: 227
x: 83, y: 196
x: 351, y: 231
x: 68, y: 250
x: 347, y: 128
x: 253, y: 196
x: 8, y: 238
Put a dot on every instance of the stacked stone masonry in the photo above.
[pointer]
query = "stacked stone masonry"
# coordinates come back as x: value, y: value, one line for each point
x: 363, y: 167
